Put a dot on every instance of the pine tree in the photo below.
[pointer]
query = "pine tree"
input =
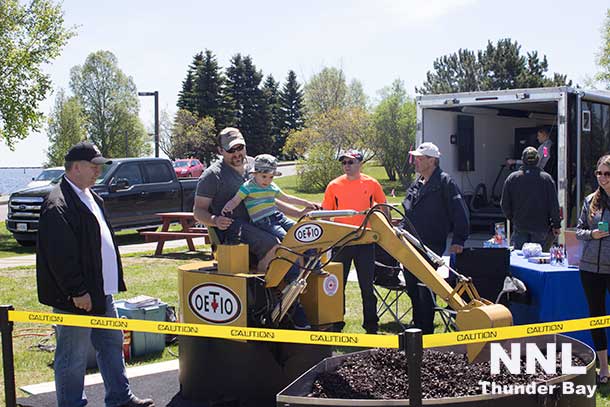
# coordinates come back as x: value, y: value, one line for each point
x: 499, y: 66
x: 186, y: 97
x: 291, y: 104
x: 273, y: 113
x: 248, y: 104
x: 208, y: 90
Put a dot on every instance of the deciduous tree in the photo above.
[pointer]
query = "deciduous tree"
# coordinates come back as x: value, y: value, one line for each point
x: 193, y: 137
x: 66, y: 127
x: 110, y: 103
x: 603, y: 58
x: 32, y: 34
x: 395, y: 123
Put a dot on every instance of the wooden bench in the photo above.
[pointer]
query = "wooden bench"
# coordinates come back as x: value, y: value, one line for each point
x: 162, y: 237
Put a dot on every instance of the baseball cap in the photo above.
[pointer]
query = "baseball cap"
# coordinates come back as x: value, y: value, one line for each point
x: 428, y: 149
x: 530, y: 156
x: 355, y: 154
x: 266, y: 163
x: 231, y: 137
x: 86, y: 151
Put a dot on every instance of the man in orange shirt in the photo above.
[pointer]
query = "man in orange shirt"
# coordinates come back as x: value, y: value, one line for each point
x: 357, y: 191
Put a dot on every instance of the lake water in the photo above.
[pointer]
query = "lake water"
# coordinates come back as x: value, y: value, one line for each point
x: 14, y: 179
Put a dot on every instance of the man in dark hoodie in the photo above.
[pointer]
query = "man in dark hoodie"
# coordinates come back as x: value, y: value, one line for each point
x: 529, y: 201
x: 78, y: 269
x: 435, y: 207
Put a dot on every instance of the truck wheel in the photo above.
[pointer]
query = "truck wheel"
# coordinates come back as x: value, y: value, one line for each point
x: 26, y: 243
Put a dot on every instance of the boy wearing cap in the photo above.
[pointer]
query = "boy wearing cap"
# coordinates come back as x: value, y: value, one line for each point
x: 260, y: 194
x: 78, y: 270
x: 529, y: 201
x: 434, y: 207
x: 357, y: 191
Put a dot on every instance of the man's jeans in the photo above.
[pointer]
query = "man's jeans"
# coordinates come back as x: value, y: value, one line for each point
x: 277, y: 224
x: 520, y: 237
x: 71, y: 362
x: 363, y: 256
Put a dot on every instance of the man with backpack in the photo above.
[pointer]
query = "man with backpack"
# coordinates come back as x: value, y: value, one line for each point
x: 433, y: 207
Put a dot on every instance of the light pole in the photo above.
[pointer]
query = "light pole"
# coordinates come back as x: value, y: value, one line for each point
x: 156, y: 95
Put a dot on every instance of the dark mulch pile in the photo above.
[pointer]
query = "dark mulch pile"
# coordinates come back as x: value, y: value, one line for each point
x: 381, y: 375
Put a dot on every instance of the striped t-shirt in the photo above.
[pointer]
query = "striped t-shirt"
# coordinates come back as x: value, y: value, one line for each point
x: 259, y: 201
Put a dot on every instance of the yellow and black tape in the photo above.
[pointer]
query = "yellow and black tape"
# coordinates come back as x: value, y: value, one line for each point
x: 309, y: 337
x: 210, y: 331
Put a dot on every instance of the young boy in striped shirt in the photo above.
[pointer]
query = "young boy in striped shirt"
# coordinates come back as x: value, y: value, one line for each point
x: 259, y: 195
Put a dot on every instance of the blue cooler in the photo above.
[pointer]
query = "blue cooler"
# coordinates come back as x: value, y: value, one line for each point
x: 143, y: 343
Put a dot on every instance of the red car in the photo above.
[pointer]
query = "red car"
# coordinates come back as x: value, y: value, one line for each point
x: 188, y: 167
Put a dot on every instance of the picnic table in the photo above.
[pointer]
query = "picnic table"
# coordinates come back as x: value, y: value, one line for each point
x: 188, y: 230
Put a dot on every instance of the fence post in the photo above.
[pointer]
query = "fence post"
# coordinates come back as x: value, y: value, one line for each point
x: 8, y: 364
x: 413, y: 347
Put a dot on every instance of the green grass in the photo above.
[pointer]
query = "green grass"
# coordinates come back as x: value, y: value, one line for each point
x: 10, y: 248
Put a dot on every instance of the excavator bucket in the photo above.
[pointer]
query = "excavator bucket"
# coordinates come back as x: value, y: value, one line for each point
x: 482, y: 317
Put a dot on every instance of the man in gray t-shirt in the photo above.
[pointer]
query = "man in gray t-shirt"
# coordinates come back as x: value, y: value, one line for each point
x: 218, y: 184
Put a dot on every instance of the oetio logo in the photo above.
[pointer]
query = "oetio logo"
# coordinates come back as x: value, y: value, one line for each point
x: 310, y: 232
x: 214, y: 303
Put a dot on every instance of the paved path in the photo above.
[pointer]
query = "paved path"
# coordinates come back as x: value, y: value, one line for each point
x: 30, y: 259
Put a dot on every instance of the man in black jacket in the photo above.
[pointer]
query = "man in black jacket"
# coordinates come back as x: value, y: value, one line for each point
x: 529, y: 201
x: 434, y: 206
x: 78, y: 269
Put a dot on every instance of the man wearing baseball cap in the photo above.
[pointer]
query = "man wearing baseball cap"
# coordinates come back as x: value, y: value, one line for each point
x: 358, y: 191
x: 434, y: 207
x: 218, y: 184
x: 529, y: 201
x: 78, y: 270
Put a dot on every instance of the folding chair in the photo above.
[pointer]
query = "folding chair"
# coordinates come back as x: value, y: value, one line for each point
x: 389, y: 288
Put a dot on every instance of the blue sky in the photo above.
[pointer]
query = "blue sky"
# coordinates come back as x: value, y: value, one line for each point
x: 372, y: 41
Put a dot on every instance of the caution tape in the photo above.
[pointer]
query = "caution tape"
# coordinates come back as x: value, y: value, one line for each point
x: 515, y: 331
x: 210, y: 331
x: 308, y: 337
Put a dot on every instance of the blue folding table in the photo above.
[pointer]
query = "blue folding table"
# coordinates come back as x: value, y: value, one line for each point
x: 556, y: 294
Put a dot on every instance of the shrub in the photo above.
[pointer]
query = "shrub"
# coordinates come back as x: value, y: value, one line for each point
x: 318, y: 169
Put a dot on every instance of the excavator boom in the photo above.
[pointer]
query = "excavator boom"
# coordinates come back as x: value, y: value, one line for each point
x: 322, y: 235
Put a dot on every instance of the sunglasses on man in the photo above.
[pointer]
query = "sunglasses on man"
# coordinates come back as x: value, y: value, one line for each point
x: 235, y: 149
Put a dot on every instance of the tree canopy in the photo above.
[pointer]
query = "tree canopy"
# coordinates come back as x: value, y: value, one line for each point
x: 603, y: 58
x: 110, y: 104
x: 31, y: 34
x: 499, y: 66
x: 66, y: 127
x: 395, y: 123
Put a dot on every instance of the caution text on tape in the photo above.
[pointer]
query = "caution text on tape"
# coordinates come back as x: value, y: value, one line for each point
x: 309, y: 337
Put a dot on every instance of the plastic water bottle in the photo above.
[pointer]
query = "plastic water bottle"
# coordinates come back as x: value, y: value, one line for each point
x: 553, y: 253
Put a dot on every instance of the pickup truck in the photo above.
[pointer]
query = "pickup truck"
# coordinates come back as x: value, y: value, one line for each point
x: 133, y: 189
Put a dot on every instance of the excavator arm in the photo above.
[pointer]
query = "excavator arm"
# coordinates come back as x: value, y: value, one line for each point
x: 315, y: 235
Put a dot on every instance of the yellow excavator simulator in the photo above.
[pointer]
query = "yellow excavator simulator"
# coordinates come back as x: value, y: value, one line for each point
x: 229, y: 294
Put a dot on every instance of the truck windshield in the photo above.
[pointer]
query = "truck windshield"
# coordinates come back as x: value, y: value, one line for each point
x: 49, y: 175
x: 105, y: 169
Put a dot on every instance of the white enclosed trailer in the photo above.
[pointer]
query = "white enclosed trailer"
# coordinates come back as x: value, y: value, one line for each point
x: 478, y: 131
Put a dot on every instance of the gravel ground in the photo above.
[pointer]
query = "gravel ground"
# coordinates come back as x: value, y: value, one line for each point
x: 381, y: 375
